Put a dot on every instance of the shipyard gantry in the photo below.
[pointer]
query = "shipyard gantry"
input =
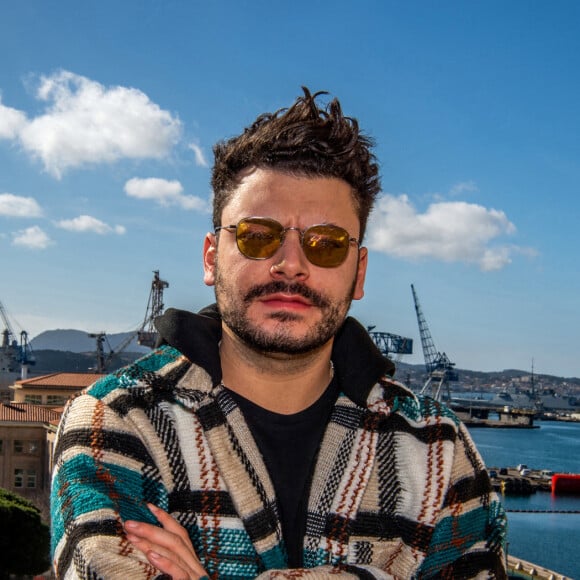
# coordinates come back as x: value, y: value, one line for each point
x: 146, y: 334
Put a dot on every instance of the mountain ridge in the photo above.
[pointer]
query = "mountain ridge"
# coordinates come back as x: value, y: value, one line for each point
x: 79, y: 341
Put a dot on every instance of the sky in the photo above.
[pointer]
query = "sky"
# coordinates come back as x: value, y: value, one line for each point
x: 109, y: 111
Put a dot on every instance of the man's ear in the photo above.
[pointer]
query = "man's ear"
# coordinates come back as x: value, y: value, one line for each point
x: 209, y: 259
x: 359, y: 286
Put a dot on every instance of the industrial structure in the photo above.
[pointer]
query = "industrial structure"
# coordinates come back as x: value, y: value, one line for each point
x: 11, y: 351
x: 440, y: 370
x: 15, y: 356
x: 390, y: 344
x: 146, y: 333
x: 104, y: 358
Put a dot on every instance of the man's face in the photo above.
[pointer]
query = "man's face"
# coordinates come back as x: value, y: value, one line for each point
x: 285, y: 304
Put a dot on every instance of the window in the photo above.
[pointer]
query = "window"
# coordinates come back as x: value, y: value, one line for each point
x: 1, y: 442
x: 26, y: 447
x: 34, y: 399
x: 31, y: 478
x: 56, y: 400
x: 19, y: 478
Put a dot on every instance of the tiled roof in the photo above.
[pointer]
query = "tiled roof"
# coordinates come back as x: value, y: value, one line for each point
x: 61, y: 380
x: 27, y: 413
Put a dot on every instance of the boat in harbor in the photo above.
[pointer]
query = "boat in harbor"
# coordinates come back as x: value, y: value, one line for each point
x: 566, y: 483
x: 15, y: 358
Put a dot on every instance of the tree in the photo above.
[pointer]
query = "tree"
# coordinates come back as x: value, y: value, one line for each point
x: 24, y: 538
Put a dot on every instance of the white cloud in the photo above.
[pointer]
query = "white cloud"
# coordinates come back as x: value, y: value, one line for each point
x: 87, y: 223
x: 463, y: 187
x: 18, y: 206
x: 447, y: 231
x: 33, y: 238
x: 163, y: 192
x: 11, y: 121
x: 200, y: 159
x: 87, y: 123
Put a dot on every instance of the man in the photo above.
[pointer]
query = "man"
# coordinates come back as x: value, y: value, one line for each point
x: 265, y: 437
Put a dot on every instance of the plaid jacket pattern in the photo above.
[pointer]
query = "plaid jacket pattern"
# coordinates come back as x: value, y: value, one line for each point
x: 399, y: 489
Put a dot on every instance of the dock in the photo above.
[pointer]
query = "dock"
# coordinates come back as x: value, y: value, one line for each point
x: 509, y: 481
x: 523, y: 481
x: 477, y: 414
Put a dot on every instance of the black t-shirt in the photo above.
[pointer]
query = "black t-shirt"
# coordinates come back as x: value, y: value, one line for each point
x: 289, y: 445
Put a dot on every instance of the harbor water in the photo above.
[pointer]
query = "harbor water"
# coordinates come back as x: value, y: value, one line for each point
x: 550, y: 539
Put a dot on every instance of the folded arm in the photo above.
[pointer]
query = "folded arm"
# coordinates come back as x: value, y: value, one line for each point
x: 98, y: 483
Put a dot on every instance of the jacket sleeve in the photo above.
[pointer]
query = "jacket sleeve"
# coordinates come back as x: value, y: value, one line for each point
x: 103, y: 475
x: 469, y: 535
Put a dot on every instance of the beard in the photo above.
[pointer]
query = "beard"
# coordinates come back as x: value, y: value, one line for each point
x: 233, y: 308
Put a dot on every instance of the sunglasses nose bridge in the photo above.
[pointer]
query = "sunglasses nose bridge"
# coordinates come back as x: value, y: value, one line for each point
x: 292, y: 229
x: 292, y: 253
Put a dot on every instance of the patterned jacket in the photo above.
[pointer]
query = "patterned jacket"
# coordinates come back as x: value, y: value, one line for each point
x: 399, y: 490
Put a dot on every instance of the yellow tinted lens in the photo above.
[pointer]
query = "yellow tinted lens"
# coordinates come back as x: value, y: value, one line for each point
x: 326, y: 246
x: 258, y: 238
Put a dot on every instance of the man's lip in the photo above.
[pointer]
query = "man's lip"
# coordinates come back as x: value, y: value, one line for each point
x: 290, y: 299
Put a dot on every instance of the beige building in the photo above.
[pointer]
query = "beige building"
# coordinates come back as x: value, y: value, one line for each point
x: 27, y: 430
x: 24, y: 448
x: 52, y: 390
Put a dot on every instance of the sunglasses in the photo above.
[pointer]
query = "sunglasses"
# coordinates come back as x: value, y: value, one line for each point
x: 259, y: 238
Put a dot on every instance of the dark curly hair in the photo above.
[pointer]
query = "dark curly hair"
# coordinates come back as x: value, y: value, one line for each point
x: 304, y: 139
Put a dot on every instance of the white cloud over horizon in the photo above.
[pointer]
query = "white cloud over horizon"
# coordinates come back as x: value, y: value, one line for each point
x: 164, y: 192
x: 86, y: 123
x: 18, y: 206
x: 87, y: 223
x: 33, y: 238
x: 449, y: 231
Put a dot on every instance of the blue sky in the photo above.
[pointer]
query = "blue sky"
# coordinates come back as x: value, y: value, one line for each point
x: 109, y: 110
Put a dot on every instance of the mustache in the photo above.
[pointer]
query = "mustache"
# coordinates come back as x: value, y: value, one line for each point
x: 315, y: 298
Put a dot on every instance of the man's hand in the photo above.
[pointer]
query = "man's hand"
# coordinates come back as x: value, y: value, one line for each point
x: 169, y: 548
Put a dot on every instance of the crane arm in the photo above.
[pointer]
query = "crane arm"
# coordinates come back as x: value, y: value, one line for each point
x: 121, y: 347
x: 429, y: 351
x: 4, y: 315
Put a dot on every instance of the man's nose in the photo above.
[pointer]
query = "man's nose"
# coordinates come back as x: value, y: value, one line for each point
x: 289, y: 261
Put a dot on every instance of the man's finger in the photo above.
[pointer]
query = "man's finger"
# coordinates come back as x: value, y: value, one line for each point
x: 169, y: 523
x: 173, y: 546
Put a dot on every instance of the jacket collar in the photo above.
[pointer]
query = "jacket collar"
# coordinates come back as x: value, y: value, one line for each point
x: 357, y: 361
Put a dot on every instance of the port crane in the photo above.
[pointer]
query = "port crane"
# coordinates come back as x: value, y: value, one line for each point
x: 103, y: 360
x: 440, y: 370
x: 389, y: 343
x: 146, y: 333
x: 11, y: 351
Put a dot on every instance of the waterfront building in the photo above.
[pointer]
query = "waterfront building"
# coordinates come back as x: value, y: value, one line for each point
x: 28, y: 427
x: 26, y: 448
x: 51, y: 390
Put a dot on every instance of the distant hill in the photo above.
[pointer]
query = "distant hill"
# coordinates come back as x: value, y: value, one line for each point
x: 79, y: 341
x: 60, y: 361
x: 73, y: 350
